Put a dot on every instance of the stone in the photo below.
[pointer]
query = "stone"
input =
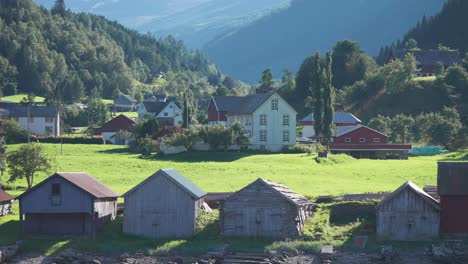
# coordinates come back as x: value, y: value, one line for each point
x: 95, y: 261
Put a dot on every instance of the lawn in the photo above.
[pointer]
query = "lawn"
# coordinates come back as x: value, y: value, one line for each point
x: 230, y: 171
x: 128, y: 114
x: 18, y: 97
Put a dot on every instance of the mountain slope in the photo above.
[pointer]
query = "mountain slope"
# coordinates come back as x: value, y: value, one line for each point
x: 284, y: 39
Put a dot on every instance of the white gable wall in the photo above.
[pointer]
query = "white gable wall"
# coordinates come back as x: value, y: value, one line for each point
x: 38, y: 125
x: 172, y: 110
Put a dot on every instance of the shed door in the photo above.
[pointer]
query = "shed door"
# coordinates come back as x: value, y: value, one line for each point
x: 268, y: 222
x: 164, y: 224
x: 50, y: 224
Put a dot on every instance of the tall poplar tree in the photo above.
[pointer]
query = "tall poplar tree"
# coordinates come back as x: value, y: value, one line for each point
x: 317, y: 98
x: 328, y: 100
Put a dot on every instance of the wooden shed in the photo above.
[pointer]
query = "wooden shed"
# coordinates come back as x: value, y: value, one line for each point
x: 164, y: 205
x: 66, y: 204
x: 452, y: 187
x: 5, y: 202
x: 264, y: 209
x: 408, y: 214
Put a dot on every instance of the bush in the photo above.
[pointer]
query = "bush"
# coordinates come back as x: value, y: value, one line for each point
x: 69, y: 139
x: 145, y: 146
x: 309, y: 149
x: 186, y: 139
x: 14, y: 133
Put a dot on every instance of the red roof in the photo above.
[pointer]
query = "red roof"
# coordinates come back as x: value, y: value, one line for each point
x: 118, y: 123
x: 344, y: 146
x: 5, y: 197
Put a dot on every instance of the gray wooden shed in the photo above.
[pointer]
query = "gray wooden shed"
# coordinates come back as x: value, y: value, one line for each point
x: 264, y: 209
x: 66, y: 203
x: 164, y: 205
x: 408, y: 214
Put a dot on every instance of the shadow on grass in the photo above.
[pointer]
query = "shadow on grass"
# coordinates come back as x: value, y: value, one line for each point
x: 196, y: 156
x: 9, y: 232
x: 121, y: 151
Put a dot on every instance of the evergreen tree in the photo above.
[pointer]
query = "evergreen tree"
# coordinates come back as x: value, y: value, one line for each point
x: 316, y: 89
x: 59, y: 8
x: 188, y: 108
x: 267, y: 83
x: 222, y: 91
x: 328, y: 100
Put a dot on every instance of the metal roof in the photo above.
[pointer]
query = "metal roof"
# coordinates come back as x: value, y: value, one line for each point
x: 241, y: 104
x: 431, y: 57
x: 155, y: 107
x: 343, y: 130
x: 410, y: 185
x: 34, y: 111
x: 120, y: 122
x: 178, y: 179
x: 4, y: 196
x: 339, y: 118
x: 88, y: 184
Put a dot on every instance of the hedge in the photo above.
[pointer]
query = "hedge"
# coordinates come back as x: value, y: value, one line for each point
x: 69, y: 140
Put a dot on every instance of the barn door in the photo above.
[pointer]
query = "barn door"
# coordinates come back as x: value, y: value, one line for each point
x: 268, y: 222
x: 163, y: 225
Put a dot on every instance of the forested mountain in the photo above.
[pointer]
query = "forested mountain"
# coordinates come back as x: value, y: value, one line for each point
x: 447, y: 28
x: 66, y: 56
x: 194, y: 21
x: 284, y: 38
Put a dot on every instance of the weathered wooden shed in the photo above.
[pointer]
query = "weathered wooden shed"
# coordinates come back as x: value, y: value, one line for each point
x: 66, y: 203
x: 408, y: 214
x: 164, y: 205
x: 264, y: 209
x: 5, y: 202
x: 452, y: 187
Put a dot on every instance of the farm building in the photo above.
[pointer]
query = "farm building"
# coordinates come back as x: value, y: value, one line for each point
x: 264, y: 209
x: 452, y: 186
x: 164, y: 205
x: 66, y: 203
x: 5, y: 202
x: 113, y: 126
x: 340, y: 119
x: 125, y: 103
x: 408, y: 214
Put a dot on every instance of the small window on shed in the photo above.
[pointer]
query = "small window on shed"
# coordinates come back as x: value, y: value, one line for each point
x: 376, y: 140
x: 362, y: 140
x: 347, y: 140
x: 56, y: 197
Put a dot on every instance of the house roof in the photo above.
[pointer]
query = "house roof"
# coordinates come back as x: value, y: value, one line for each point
x: 154, y: 97
x: 4, y: 196
x: 178, y: 179
x: 120, y: 122
x: 431, y: 57
x: 339, y: 118
x: 240, y: 104
x: 343, y: 130
x: 83, y: 181
x: 155, y: 107
x: 128, y: 98
x: 413, y: 187
x: 34, y: 111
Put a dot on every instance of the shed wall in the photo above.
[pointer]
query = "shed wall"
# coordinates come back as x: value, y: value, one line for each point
x: 454, y: 214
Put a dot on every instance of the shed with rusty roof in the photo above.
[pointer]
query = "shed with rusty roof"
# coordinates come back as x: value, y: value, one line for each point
x: 5, y: 202
x: 66, y: 203
x: 408, y: 214
x: 264, y: 209
x: 164, y: 205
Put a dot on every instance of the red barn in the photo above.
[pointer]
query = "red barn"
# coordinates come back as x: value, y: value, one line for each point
x: 452, y: 186
x: 363, y: 142
x: 110, y: 128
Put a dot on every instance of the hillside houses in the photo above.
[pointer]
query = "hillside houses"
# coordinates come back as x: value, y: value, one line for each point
x: 428, y: 59
x: 167, y: 112
x: 267, y: 119
x: 66, y: 203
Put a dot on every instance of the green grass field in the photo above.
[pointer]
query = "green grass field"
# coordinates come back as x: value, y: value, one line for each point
x: 230, y: 171
x: 18, y: 97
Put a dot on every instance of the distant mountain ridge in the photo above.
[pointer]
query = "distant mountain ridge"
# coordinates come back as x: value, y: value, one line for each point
x: 285, y: 38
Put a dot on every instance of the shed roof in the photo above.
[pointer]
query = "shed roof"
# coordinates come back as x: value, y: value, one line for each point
x: 339, y: 118
x: 413, y: 187
x: 83, y: 181
x: 195, y: 191
x: 34, y: 111
x: 241, y: 104
x: 431, y: 57
x: 4, y: 196
x: 452, y: 178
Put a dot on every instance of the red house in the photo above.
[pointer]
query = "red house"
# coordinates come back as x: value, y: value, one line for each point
x: 452, y: 186
x: 110, y: 128
x: 364, y: 142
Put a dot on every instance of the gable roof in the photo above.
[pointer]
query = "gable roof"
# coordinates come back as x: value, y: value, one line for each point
x: 4, y: 196
x: 241, y: 104
x: 155, y: 97
x: 184, y: 183
x: 155, y: 107
x: 340, y: 131
x: 431, y: 57
x: 34, y: 111
x: 339, y: 118
x: 120, y: 122
x: 83, y: 181
x: 413, y: 187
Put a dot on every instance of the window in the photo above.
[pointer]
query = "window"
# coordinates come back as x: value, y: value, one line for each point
x: 286, y: 136
x: 263, y: 135
x: 347, y: 140
x: 285, y: 120
x: 263, y: 120
x: 49, y: 119
x: 56, y: 194
x: 31, y: 119
x: 274, y: 104
x: 166, y: 114
x: 49, y: 130
x: 362, y: 140
x: 376, y: 140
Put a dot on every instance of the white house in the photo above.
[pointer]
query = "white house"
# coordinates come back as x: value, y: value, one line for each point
x: 167, y: 112
x: 267, y: 119
x: 39, y: 120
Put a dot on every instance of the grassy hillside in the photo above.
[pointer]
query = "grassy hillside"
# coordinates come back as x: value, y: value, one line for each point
x: 18, y: 97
